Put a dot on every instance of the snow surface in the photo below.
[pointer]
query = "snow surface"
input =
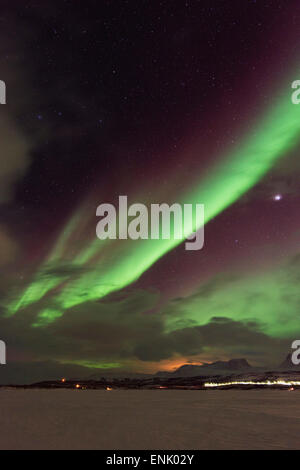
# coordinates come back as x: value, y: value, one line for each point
x: 149, y: 419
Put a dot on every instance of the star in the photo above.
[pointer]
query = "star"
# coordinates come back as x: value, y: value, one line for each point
x: 277, y: 197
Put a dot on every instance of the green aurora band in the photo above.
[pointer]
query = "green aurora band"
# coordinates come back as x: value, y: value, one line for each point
x: 237, y: 172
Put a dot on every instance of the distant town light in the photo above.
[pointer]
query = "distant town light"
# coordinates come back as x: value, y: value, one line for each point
x: 285, y: 383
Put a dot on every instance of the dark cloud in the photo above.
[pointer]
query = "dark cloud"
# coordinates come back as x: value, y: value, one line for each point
x: 22, y: 372
x: 233, y: 338
x: 16, y: 143
x: 221, y: 318
x: 117, y: 330
x: 17, y: 140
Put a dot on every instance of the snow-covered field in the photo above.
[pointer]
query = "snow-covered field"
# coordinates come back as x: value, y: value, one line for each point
x: 149, y: 419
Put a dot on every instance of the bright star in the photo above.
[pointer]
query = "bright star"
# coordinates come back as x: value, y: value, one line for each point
x: 277, y: 197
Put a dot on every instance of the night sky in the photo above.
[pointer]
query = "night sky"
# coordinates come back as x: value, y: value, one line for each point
x: 163, y: 101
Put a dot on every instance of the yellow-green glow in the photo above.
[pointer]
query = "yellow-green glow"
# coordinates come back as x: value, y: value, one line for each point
x: 237, y: 171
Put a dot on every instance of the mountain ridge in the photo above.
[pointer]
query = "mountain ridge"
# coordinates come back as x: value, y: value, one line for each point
x: 189, y: 370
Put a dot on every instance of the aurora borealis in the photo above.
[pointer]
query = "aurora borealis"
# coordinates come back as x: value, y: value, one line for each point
x: 233, y: 176
x: 161, y: 120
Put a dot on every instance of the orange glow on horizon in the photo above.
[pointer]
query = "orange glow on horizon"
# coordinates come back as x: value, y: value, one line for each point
x: 169, y: 365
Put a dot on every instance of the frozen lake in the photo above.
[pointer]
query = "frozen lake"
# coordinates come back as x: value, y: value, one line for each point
x: 149, y: 419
